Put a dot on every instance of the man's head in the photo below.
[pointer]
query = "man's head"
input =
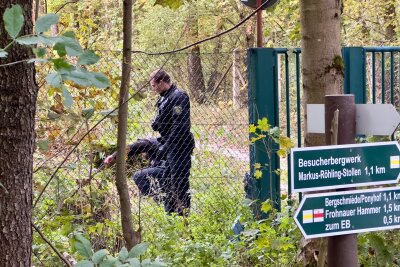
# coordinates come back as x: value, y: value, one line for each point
x: 160, y: 81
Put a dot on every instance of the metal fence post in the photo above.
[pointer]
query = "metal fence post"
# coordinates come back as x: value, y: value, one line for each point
x: 354, y: 73
x: 263, y: 102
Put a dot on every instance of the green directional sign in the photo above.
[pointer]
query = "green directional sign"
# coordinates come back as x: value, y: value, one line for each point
x: 344, y: 166
x: 349, y: 212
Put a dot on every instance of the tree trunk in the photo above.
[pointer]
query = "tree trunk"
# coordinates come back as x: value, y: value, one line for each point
x: 322, y: 74
x: 195, y: 68
x: 131, y: 237
x: 389, y: 18
x: 18, y: 93
x: 322, y: 64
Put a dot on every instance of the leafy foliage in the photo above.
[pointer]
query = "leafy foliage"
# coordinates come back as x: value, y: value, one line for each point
x: 102, y: 258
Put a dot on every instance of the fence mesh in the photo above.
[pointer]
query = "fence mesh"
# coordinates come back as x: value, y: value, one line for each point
x: 82, y: 196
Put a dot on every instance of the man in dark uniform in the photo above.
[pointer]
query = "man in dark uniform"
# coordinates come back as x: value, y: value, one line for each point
x: 177, y: 143
x: 146, y: 179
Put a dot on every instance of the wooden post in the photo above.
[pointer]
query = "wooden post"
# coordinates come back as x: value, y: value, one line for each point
x: 340, y: 128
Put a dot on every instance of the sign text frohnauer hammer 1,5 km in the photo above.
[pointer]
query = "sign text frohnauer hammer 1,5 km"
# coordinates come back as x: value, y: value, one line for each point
x: 345, y: 166
x: 349, y: 212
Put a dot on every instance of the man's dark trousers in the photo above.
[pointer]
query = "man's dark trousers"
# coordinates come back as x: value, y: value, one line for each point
x: 175, y: 181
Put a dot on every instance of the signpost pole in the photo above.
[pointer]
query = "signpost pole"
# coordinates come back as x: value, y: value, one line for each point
x: 340, y: 128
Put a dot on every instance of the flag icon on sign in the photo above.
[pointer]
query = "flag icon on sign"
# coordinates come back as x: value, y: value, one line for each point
x: 307, y: 216
x: 394, y: 162
x: 318, y: 215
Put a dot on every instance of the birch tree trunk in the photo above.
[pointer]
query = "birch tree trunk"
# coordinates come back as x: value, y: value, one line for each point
x: 18, y: 94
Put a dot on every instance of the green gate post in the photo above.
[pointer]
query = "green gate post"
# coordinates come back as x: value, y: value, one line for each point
x: 263, y: 102
x: 354, y: 73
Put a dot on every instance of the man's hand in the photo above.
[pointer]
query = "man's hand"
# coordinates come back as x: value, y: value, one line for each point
x: 110, y: 160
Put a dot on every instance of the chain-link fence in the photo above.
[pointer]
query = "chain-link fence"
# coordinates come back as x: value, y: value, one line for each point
x: 81, y: 195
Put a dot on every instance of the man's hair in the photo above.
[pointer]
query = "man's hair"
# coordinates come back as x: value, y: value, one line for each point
x: 161, y: 75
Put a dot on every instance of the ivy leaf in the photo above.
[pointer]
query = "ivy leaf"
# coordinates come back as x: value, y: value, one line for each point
x: 98, y: 256
x: 84, y: 263
x: 83, y: 246
x: 99, y: 80
x: 138, y: 250
x: 3, y: 54
x: 173, y: 4
x: 54, y: 79
x: 68, y: 100
x: 44, y: 23
x: 13, y: 20
x: 28, y: 40
x: 88, y: 57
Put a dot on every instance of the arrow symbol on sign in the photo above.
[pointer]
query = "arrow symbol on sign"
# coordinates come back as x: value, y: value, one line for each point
x: 371, y: 119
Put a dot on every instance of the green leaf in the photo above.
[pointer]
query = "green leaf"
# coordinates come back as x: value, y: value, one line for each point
x: 110, y: 262
x: 138, y: 250
x: 84, y: 263
x: 123, y: 254
x: 3, y: 54
x: 48, y: 40
x: 79, y: 77
x: 53, y: 115
x: 28, y: 40
x: 68, y: 100
x: 134, y: 262
x: 60, y: 48
x: 43, y: 145
x: 54, y: 79
x: 39, y: 52
x: 88, y: 57
x: 62, y: 66
x: 72, y: 47
x: 13, y: 20
x: 83, y: 246
x: 263, y: 125
x: 69, y: 34
x: 87, y: 112
x: 98, y: 256
x: 99, y: 80
x: 44, y: 23
x: 157, y: 264
x: 173, y: 4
